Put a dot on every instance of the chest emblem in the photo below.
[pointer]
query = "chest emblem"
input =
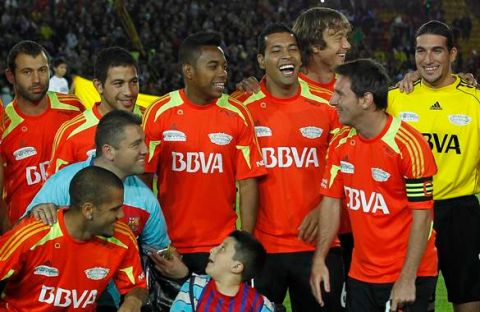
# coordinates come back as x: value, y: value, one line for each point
x: 263, y: 131
x: 174, y: 136
x: 220, y: 138
x: 24, y: 152
x: 311, y: 132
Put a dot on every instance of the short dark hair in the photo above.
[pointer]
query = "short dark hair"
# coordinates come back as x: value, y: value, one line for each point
x: 58, y: 61
x: 310, y: 25
x: 191, y: 46
x: 112, y: 57
x: 27, y: 47
x: 110, y: 129
x: 436, y: 28
x: 273, y: 28
x: 366, y: 75
x: 249, y: 252
x: 92, y: 185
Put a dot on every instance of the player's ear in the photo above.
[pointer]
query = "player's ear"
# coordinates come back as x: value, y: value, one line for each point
x: 10, y: 76
x: 187, y: 71
x: 367, y: 100
x: 108, y: 152
x: 237, y: 267
x: 261, y: 61
x: 453, y: 54
x: 98, y: 85
x: 87, y: 210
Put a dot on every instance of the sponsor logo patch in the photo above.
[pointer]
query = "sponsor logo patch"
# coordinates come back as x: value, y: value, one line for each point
x: 96, y: 273
x: 46, y: 270
x: 379, y: 175
x: 24, y: 152
x: 409, y: 116
x: 174, y: 136
x: 263, y: 131
x: 459, y: 119
x: 346, y: 167
x: 220, y: 138
x: 311, y: 132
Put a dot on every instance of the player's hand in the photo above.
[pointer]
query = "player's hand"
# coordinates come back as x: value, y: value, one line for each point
x: 45, y: 212
x: 469, y: 79
x: 318, y: 276
x: 250, y: 85
x: 172, y: 267
x: 308, y: 228
x: 406, y: 84
x: 403, y: 294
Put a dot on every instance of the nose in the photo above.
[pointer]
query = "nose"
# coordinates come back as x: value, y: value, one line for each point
x: 35, y: 76
x: 428, y: 57
x: 120, y: 214
x: 143, y: 148
x: 346, y: 44
x: 334, y: 100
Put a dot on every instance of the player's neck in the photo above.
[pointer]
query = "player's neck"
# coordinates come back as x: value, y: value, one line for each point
x: 197, y: 98
x: 76, y: 225
x: 104, y: 108
x: 58, y: 76
x: 319, y: 72
x: 228, y: 285
x: 448, y: 80
x: 105, y: 163
x: 372, y: 124
x: 32, y: 108
x: 279, y: 91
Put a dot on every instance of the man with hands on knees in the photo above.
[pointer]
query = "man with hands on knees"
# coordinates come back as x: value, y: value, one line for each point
x: 383, y: 168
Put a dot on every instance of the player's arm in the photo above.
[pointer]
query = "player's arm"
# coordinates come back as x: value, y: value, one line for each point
x: 4, y: 220
x: 248, y: 189
x: 406, y: 84
x: 249, y: 85
x: 134, y: 300
x: 403, y: 291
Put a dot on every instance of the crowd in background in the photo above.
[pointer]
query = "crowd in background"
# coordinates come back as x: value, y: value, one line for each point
x: 75, y: 30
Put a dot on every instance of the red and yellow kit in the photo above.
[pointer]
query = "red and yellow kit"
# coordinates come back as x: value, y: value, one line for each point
x: 198, y: 151
x: 382, y: 180
x: 26, y: 148
x: 48, y: 270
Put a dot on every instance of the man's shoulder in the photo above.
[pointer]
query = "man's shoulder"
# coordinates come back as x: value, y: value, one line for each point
x: 66, y: 174
x: 162, y: 104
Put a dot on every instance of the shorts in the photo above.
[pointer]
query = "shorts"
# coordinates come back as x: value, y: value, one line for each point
x: 457, y: 223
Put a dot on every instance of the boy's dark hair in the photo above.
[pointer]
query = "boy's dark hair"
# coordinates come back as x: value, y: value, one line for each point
x: 366, y: 75
x: 274, y: 28
x: 58, y: 61
x: 27, y: 47
x: 191, y: 46
x: 112, y: 57
x: 92, y: 185
x: 310, y: 26
x: 436, y: 28
x: 249, y: 252
x: 110, y: 129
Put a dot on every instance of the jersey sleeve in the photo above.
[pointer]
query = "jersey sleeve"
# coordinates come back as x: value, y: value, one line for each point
x: 130, y: 274
x: 155, y: 231
x: 249, y: 162
x: 332, y: 182
x: 418, y: 166
x: 152, y: 138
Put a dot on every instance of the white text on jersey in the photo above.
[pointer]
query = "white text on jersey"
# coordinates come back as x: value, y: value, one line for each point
x: 285, y: 157
x: 197, y: 161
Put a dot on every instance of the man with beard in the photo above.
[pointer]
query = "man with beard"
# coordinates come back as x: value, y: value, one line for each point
x: 30, y: 124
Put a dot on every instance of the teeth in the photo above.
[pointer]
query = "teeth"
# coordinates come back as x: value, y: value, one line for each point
x: 219, y: 85
x: 287, y: 67
x: 431, y: 68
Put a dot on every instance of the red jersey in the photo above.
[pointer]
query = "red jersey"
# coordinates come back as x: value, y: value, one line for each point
x: 27, y: 146
x: 75, y: 139
x: 48, y: 270
x: 293, y: 134
x: 382, y: 180
x: 198, y: 151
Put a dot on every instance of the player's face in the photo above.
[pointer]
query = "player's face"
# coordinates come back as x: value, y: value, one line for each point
x: 61, y: 70
x: 282, y: 59
x: 336, y: 48
x: 221, y: 260
x: 105, y: 215
x: 345, y: 101
x: 433, y: 59
x: 129, y: 155
x: 31, y: 77
x: 208, y: 75
x: 120, y: 90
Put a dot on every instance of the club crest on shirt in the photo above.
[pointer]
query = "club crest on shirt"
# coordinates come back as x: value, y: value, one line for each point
x: 459, y: 119
x: 346, y: 167
x: 174, y: 136
x: 46, y: 270
x: 220, y: 138
x: 311, y: 132
x: 409, y: 116
x: 24, y: 152
x: 262, y: 131
x: 96, y: 273
x: 379, y: 175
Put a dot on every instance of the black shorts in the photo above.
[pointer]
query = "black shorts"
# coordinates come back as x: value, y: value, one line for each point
x: 457, y: 223
x: 370, y: 297
x: 291, y: 271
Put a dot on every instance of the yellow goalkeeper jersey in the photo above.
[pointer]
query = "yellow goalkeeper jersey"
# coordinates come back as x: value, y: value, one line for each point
x: 449, y: 119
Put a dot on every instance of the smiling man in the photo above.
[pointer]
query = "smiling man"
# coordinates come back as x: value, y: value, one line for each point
x: 447, y: 112
x: 116, y: 80
x: 30, y: 124
x: 293, y: 125
x: 200, y: 142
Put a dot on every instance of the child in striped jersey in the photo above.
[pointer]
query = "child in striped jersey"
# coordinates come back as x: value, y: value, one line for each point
x: 230, y: 265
